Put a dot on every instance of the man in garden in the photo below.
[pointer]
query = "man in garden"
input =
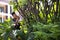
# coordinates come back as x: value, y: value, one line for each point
x: 16, y: 20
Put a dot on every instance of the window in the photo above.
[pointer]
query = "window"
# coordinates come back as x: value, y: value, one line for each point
x: 10, y: 9
x: 1, y: 9
x: 0, y: 20
x: 6, y: 9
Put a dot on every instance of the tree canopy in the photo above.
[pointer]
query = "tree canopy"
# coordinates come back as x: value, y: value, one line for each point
x: 38, y: 10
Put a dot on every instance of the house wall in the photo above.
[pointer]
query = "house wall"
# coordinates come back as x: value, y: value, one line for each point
x: 7, y: 10
x: 3, y: 6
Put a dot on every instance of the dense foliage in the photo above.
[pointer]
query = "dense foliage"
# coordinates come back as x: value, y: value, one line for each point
x: 41, y: 20
x: 39, y: 31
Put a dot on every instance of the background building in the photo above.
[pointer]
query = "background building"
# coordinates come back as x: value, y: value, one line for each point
x: 5, y: 10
